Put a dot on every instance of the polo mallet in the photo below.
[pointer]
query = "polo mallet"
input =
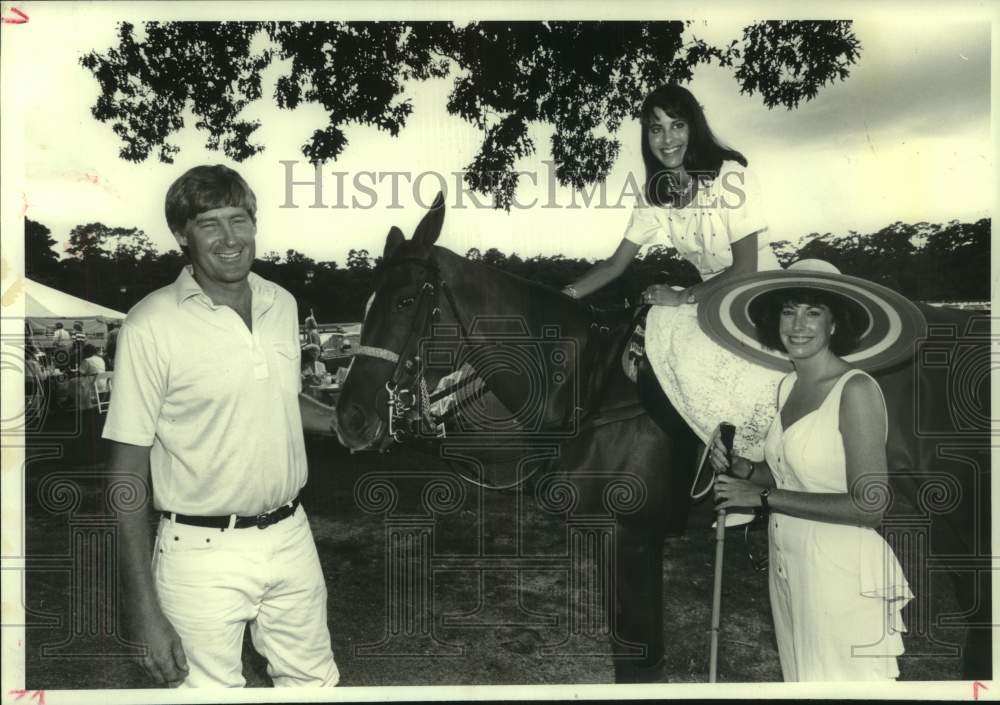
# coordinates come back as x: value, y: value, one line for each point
x: 726, y: 433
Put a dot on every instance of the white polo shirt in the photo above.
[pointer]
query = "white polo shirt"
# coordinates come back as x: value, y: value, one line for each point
x: 217, y: 404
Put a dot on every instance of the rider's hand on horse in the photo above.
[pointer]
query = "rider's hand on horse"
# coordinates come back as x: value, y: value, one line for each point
x: 732, y: 492
x: 662, y: 295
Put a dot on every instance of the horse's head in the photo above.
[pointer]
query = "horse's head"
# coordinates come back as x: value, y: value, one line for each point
x: 385, y: 381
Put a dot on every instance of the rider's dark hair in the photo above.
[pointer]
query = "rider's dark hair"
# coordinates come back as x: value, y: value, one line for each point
x: 850, y: 318
x: 704, y: 155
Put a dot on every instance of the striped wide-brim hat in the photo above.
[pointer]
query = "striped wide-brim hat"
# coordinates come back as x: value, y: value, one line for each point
x: 889, y: 324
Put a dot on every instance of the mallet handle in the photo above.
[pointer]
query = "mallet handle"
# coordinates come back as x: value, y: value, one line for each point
x: 727, y: 432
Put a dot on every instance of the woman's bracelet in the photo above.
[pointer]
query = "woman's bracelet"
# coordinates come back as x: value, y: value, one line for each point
x: 571, y: 292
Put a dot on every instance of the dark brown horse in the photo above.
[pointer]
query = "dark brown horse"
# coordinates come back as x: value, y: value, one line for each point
x: 569, y: 388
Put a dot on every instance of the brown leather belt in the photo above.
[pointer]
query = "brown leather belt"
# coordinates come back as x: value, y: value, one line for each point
x: 261, y: 521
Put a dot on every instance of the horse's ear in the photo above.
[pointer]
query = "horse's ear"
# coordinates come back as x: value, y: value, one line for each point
x: 394, y: 240
x: 429, y: 228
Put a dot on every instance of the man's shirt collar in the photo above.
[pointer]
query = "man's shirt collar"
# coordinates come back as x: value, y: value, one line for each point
x: 261, y: 289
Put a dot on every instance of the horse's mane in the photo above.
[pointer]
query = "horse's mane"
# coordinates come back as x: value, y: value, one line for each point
x: 530, y: 284
x: 402, y: 254
x: 613, y: 316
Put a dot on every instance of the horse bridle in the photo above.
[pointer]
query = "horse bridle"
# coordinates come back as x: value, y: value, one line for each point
x: 409, y: 400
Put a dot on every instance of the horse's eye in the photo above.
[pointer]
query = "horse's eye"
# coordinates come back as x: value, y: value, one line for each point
x: 404, y: 302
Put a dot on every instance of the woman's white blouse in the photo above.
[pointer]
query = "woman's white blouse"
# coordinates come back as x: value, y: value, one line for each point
x: 723, y: 211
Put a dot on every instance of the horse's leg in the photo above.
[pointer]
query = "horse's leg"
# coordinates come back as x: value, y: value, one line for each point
x: 679, y: 465
x: 638, y: 615
x: 638, y: 451
x: 638, y: 568
x: 662, y: 451
x: 975, y: 593
x: 959, y: 542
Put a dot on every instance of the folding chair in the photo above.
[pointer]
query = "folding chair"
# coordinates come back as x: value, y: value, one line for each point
x: 102, y: 391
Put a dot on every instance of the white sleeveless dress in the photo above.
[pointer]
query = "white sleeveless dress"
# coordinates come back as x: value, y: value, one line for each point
x: 836, y: 590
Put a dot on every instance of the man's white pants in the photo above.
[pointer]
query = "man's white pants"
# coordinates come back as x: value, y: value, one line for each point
x: 212, y: 582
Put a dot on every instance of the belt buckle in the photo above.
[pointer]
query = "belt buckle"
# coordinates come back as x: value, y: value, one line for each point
x: 264, y: 520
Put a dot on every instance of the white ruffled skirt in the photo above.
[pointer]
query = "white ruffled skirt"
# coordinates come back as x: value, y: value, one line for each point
x: 708, y: 384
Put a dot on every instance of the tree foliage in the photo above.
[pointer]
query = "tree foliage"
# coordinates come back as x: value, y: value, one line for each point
x: 359, y: 260
x: 38, y: 243
x: 581, y: 78
x: 96, y: 241
x: 787, y: 62
x: 147, y: 83
x: 922, y: 261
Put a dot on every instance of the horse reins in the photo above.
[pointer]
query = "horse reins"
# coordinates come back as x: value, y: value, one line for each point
x: 408, y: 407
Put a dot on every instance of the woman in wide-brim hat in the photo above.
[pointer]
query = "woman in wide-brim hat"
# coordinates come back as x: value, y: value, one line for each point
x: 836, y: 587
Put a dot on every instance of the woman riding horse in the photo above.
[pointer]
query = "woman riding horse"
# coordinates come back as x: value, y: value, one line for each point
x: 421, y: 284
x: 702, y: 200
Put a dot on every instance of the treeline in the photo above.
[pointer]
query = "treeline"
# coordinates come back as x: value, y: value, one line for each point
x: 116, y: 267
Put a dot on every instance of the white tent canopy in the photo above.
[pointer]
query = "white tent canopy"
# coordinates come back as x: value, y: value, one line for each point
x: 45, y: 306
x: 45, y: 302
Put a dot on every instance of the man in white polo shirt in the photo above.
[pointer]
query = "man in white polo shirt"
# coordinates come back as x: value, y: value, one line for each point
x: 206, y: 404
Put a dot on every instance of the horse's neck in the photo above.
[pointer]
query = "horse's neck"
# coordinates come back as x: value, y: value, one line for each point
x: 493, y: 303
x: 485, y: 293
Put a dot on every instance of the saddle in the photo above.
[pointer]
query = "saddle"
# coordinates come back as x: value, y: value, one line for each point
x: 635, y: 349
x: 611, y: 331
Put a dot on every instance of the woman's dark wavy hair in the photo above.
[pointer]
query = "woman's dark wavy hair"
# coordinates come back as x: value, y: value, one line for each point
x: 849, y: 317
x: 704, y: 155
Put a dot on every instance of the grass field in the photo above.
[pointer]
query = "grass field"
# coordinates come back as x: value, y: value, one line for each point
x: 502, y: 603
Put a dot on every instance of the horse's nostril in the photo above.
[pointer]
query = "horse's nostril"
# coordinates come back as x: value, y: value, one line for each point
x: 353, y: 419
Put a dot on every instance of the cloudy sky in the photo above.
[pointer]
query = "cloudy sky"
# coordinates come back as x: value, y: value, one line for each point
x: 906, y: 138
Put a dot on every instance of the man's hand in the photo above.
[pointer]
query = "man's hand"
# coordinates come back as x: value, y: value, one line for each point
x: 164, y: 661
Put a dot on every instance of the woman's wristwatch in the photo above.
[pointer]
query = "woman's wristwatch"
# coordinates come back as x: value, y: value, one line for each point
x: 764, y: 494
